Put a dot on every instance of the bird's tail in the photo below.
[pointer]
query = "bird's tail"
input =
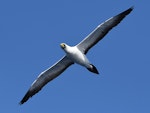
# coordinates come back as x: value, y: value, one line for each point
x: 93, y: 69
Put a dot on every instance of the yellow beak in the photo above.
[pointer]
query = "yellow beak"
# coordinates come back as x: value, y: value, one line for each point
x: 62, y: 45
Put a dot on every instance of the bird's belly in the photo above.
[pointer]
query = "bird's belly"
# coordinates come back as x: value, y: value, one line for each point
x: 79, y: 58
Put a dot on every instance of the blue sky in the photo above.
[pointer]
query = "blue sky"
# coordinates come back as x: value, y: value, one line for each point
x: 30, y: 34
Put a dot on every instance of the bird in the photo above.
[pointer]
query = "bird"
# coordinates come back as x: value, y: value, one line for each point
x: 75, y: 54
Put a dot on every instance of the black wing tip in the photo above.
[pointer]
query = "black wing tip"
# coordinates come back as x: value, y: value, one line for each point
x: 20, y: 103
x: 126, y: 12
x: 122, y: 15
x: 25, y: 98
x: 130, y: 9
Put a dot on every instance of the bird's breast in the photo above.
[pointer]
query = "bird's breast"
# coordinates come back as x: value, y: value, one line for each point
x: 78, y: 57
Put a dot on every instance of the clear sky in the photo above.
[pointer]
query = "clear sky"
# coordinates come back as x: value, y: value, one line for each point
x: 30, y: 34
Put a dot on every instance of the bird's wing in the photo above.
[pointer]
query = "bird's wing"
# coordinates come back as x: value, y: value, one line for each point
x: 47, y: 76
x: 101, y: 31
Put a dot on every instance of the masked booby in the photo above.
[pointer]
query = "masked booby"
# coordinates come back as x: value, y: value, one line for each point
x: 75, y: 54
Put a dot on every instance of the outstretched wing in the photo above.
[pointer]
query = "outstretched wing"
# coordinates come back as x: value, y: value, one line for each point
x: 47, y: 76
x: 101, y: 31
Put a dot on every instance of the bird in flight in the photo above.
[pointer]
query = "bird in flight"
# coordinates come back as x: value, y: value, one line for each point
x: 75, y: 54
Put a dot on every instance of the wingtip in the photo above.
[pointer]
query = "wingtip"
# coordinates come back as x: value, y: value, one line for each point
x: 25, y: 98
x: 124, y: 13
x: 132, y: 7
x: 129, y: 10
x: 20, y: 103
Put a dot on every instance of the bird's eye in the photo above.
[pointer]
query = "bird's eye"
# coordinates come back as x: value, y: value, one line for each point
x: 62, y: 45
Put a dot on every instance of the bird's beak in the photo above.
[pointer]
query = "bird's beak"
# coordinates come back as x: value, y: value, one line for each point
x: 62, y: 45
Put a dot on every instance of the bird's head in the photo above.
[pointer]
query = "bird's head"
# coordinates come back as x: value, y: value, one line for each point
x: 63, y: 45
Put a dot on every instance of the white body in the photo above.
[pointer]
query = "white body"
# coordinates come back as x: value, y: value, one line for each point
x: 77, y: 56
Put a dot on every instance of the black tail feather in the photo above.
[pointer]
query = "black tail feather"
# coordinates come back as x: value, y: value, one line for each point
x: 93, y: 69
